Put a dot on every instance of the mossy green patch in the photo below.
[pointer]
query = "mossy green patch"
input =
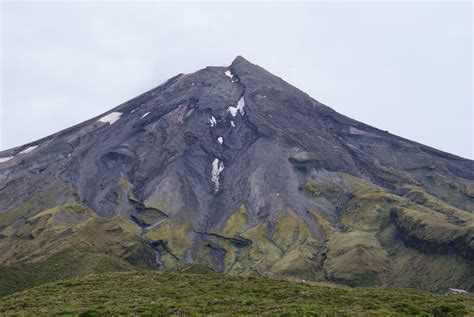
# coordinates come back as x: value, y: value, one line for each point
x: 236, y: 223
x: 174, y: 231
x: 311, y: 188
x: 356, y: 258
x: 291, y: 231
x: 432, y: 229
x: 259, y: 257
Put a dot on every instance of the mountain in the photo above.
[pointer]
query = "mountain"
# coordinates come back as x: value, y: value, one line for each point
x: 235, y: 169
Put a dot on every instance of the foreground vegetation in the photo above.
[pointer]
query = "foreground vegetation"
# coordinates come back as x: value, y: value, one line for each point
x: 63, y: 265
x: 149, y: 293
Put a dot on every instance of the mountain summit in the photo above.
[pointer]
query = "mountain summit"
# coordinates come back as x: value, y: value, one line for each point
x: 235, y: 169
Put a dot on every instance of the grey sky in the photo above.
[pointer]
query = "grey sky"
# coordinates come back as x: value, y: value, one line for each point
x: 403, y: 67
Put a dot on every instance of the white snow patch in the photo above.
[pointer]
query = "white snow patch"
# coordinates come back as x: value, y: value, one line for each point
x: 228, y: 73
x: 212, y: 121
x: 278, y: 194
x: 217, y: 168
x: 239, y: 108
x: 220, y: 140
x: 232, y: 123
x: 133, y: 110
x: 4, y: 159
x: 233, y: 111
x: 28, y: 150
x: 241, y: 105
x: 111, y: 117
x: 145, y: 115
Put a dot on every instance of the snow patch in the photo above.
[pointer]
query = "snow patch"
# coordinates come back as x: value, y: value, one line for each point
x: 241, y: 105
x: 217, y: 168
x: 4, y: 159
x: 233, y: 111
x: 145, y: 115
x: 220, y: 140
x: 28, y: 150
x: 212, y: 121
x: 111, y: 117
x: 133, y: 110
x: 232, y: 123
x: 229, y: 74
x: 239, y: 108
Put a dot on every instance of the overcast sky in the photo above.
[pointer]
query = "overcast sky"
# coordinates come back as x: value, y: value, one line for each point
x: 402, y: 67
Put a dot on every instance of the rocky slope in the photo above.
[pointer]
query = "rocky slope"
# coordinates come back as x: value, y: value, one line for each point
x: 233, y: 168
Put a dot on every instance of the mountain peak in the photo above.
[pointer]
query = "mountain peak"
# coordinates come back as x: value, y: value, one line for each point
x: 240, y: 60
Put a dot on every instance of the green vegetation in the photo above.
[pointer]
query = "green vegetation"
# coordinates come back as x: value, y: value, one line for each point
x: 369, y: 246
x: 63, y: 265
x: 432, y: 227
x: 73, y: 226
x: 285, y: 248
x: 149, y: 293
x: 173, y: 232
x: 311, y: 188
x: 236, y: 222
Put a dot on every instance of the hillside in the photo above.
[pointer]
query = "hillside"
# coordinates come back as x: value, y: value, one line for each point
x: 60, y: 266
x: 167, y: 293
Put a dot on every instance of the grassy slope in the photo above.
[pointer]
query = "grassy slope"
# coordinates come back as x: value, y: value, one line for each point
x: 158, y: 293
x: 36, y: 237
x: 370, y: 252
x: 63, y: 265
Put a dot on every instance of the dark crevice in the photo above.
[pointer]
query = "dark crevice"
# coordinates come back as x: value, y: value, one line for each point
x: 161, y: 246
x: 140, y: 208
x: 238, y: 242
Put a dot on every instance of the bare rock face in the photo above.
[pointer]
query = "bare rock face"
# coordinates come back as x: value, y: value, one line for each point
x: 234, y: 168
